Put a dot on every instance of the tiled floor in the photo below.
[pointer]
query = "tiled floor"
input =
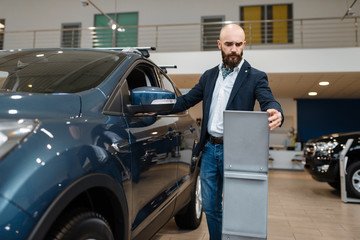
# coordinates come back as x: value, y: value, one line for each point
x: 299, y: 209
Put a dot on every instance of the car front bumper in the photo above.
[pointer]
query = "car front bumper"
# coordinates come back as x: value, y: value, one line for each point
x: 323, y: 170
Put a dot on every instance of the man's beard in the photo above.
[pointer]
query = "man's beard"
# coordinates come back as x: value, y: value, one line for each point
x: 231, y: 63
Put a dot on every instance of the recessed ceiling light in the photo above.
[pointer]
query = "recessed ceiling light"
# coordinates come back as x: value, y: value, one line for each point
x: 324, y: 83
x: 312, y: 93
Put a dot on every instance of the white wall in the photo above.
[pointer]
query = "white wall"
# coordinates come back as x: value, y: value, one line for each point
x: 50, y: 14
x: 269, y: 61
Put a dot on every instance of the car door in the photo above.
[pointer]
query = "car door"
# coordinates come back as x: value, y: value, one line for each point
x: 153, y: 146
x: 188, y: 134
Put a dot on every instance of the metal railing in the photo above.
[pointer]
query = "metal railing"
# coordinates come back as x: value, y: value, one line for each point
x: 291, y: 33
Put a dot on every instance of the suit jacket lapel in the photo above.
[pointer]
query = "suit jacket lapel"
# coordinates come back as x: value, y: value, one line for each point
x: 210, y: 87
x: 242, y: 75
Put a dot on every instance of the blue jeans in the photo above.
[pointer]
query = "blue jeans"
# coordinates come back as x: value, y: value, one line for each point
x: 212, y: 174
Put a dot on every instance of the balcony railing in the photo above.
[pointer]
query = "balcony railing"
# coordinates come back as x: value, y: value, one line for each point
x: 291, y: 33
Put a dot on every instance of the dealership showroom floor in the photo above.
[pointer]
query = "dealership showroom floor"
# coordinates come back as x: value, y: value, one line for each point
x: 299, y: 208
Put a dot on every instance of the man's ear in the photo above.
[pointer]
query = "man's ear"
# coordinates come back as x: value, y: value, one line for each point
x: 219, y: 44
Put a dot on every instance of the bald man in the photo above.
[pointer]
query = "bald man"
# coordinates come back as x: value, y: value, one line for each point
x: 232, y: 85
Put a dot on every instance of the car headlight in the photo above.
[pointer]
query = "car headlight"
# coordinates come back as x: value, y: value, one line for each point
x: 12, y: 132
x: 325, y: 148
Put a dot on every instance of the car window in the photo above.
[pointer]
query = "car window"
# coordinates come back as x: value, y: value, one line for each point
x: 56, y: 71
x: 167, y: 84
x: 3, y: 76
x: 121, y: 98
x: 143, y: 75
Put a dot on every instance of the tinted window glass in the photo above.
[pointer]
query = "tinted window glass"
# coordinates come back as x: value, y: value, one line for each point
x: 168, y: 85
x: 55, y: 71
x: 119, y: 100
x: 142, y: 76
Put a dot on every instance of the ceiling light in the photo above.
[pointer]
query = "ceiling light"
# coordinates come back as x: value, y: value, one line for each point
x: 350, y: 12
x: 114, y: 26
x: 84, y: 2
x: 324, y: 83
x: 312, y: 93
x: 2, y: 25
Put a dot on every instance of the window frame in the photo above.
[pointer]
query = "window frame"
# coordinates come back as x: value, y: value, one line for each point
x: 267, y: 27
x: 161, y: 76
x: 107, y: 37
x: 118, y: 93
x: 76, y: 35
x: 204, y: 20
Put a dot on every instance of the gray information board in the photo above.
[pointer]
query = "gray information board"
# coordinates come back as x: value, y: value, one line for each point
x: 246, y: 141
x: 246, y: 154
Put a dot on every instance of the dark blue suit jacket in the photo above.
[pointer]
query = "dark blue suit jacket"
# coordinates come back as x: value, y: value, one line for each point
x: 250, y: 84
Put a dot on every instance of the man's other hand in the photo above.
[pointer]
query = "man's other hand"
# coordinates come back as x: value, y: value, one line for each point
x: 275, y: 118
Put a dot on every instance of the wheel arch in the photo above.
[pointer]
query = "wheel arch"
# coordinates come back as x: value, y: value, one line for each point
x: 353, y: 156
x: 97, y: 191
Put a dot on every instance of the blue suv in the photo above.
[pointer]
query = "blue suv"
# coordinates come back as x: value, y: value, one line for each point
x: 88, y: 149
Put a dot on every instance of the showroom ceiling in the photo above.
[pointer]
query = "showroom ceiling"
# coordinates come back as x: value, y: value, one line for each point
x: 298, y: 85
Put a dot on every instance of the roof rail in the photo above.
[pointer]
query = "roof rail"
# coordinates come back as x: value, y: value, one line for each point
x: 144, y: 51
x: 165, y: 67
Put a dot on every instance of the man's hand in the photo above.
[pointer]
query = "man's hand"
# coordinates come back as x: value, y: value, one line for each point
x: 274, y: 119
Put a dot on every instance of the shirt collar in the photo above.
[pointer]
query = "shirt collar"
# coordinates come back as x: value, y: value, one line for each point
x: 236, y: 69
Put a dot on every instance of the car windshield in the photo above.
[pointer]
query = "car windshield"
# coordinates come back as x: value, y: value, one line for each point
x: 55, y: 71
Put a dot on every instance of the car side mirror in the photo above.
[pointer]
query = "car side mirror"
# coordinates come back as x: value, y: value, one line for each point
x: 151, y: 100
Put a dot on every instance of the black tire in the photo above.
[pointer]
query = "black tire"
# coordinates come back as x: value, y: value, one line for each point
x: 191, y: 218
x: 353, y: 179
x: 81, y: 225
